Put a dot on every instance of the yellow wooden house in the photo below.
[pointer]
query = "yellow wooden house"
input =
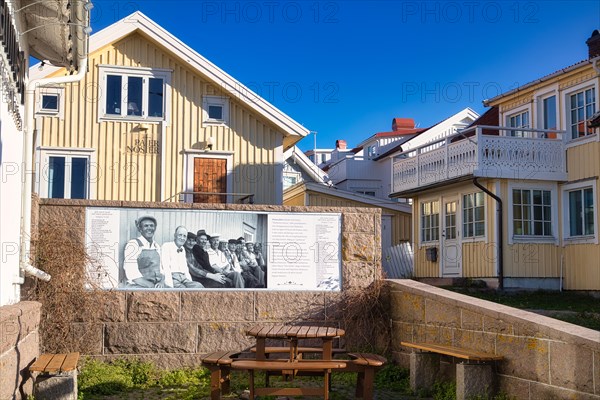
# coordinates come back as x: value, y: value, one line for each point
x: 513, y: 199
x: 153, y: 120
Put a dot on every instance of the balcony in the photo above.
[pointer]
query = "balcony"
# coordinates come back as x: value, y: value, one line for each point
x: 515, y: 153
x: 351, y: 167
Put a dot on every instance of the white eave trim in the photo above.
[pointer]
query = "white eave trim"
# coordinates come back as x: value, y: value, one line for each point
x: 307, y: 166
x: 374, y: 201
x: 139, y: 21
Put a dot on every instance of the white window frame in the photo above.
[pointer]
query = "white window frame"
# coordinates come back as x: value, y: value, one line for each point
x: 423, y: 242
x: 48, y: 112
x: 565, y: 189
x: 540, y: 98
x: 220, y: 101
x: 125, y: 72
x: 461, y: 207
x: 553, y: 189
x: 43, y: 158
x: 190, y: 155
x: 566, y: 117
x: 513, y: 113
x: 291, y: 174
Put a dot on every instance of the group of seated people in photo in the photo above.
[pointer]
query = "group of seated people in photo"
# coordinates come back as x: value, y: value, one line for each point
x: 191, y: 260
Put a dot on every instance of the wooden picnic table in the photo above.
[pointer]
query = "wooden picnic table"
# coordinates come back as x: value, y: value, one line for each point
x: 293, y: 333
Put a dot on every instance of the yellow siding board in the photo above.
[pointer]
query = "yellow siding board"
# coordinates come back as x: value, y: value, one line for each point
x: 401, y: 222
x: 126, y: 176
x: 583, y: 161
x: 580, y: 269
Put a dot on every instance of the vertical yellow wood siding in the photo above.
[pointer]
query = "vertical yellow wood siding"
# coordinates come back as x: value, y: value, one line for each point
x: 583, y: 161
x: 401, y: 222
x: 581, y: 267
x: 478, y: 255
x: 126, y: 175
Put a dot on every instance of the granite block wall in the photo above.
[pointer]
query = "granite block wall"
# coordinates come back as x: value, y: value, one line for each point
x: 544, y: 358
x: 173, y: 328
x: 19, y: 347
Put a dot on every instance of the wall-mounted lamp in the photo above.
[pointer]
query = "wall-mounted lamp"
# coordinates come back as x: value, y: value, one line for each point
x: 210, y: 142
x: 142, y: 127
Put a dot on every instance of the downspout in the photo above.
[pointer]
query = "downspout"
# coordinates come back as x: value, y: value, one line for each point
x: 28, y: 131
x: 499, y: 231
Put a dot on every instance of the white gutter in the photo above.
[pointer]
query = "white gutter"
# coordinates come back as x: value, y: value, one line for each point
x: 28, y: 132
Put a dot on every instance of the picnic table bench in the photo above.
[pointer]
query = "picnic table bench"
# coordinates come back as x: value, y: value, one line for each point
x: 55, y: 376
x: 323, y: 367
x: 425, y: 366
x: 220, y: 363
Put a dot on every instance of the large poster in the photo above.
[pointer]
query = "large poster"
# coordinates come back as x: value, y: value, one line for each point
x: 149, y: 249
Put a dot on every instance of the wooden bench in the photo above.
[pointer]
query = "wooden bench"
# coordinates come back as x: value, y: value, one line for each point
x: 219, y: 365
x: 57, y: 376
x: 323, y: 367
x: 365, y: 365
x: 425, y: 366
x: 301, y: 350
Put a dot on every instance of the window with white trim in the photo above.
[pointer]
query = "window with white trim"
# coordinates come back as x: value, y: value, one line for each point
x: 215, y: 110
x: 473, y: 215
x: 581, y: 212
x: 581, y: 106
x: 532, y: 212
x: 66, y: 175
x: 519, y: 120
x: 50, y: 101
x: 134, y: 94
x: 430, y: 221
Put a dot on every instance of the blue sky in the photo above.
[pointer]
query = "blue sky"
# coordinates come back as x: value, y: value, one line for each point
x: 346, y: 68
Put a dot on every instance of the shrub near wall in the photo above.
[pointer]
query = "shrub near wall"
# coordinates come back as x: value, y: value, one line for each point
x: 173, y: 327
x: 544, y: 358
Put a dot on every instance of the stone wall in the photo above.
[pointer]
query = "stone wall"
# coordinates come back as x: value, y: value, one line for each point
x: 19, y: 347
x: 174, y: 327
x: 544, y: 358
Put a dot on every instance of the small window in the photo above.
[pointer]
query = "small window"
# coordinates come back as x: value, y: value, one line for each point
x: 49, y: 101
x: 216, y: 109
x: 473, y: 215
x: 215, y: 112
x: 430, y: 221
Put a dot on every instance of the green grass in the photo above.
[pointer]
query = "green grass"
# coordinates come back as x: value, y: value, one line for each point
x: 577, y: 308
x: 134, y: 379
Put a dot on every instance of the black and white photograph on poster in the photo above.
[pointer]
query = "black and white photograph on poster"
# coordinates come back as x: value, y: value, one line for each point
x: 144, y: 249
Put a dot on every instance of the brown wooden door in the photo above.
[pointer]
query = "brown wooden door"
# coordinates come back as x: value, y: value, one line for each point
x: 210, y: 176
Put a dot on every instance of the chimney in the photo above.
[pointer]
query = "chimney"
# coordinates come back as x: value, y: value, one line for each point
x: 340, y: 144
x: 594, y: 44
x: 399, y: 124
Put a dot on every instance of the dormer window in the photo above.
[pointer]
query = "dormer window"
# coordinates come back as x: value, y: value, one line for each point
x: 134, y: 94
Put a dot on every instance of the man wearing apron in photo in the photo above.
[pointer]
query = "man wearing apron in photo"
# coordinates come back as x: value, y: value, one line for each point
x: 142, y: 264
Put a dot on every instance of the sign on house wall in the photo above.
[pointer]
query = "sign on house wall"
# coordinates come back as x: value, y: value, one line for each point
x: 155, y: 249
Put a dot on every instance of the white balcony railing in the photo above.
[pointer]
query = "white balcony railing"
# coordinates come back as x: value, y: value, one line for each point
x: 516, y: 153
